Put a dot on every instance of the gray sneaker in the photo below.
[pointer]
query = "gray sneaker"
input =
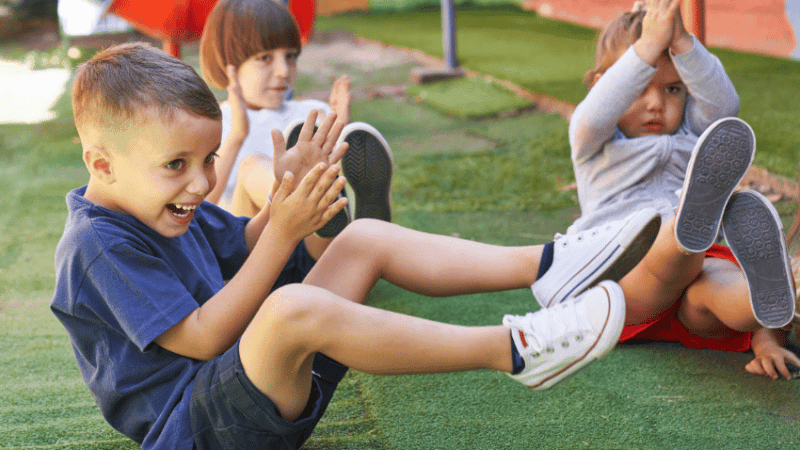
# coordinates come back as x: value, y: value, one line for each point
x: 754, y: 233
x: 557, y: 342
x: 607, y: 252
x: 721, y: 158
x: 368, y: 166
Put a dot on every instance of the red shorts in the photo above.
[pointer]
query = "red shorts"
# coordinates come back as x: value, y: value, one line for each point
x: 668, y: 328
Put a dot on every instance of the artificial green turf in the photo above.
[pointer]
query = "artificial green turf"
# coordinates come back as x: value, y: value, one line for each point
x: 550, y: 57
x: 469, y: 97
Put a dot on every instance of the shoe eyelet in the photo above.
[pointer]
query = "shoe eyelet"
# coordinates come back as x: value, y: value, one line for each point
x: 536, y: 355
x: 579, y: 238
x: 565, y: 344
x: 579, y: 338
x: 549, y: 350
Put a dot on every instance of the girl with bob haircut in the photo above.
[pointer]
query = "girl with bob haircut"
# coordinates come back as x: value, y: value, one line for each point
x: 251, y: 49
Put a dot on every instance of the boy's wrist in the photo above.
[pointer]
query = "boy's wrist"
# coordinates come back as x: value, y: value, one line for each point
x: 648, y: 51
x: 682, y: 45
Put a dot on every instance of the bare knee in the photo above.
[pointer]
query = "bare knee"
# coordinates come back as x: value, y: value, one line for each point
x: 292, y: 313
x: 362, y: 236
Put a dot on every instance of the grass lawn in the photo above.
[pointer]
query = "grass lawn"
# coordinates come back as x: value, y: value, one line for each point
x: 495, y: 180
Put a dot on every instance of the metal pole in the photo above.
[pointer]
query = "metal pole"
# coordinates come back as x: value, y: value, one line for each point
x: 698, y: 11
x: 449, y: 33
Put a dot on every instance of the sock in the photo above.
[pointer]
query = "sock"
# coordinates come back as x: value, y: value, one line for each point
x: 546, y: 260
x: 517, y: 363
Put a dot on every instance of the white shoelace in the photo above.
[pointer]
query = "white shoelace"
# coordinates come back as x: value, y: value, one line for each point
x: 546, y: 325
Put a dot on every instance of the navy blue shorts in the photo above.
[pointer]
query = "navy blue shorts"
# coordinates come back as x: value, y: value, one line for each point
x: 228, y: 412
x: 296, y: 269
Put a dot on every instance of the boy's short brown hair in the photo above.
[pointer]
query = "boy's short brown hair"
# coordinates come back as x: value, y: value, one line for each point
x: 120, y: 83
x: 238, y: 29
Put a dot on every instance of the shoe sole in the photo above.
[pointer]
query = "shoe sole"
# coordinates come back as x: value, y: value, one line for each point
x: 722, y: 156
x: 367, y: 165
x: 754, y: 233
x: 334, y: 226
x: 606, y: 339
x: 619, y: 257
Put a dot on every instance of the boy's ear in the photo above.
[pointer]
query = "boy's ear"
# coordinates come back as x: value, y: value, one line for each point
x: 98, y: 162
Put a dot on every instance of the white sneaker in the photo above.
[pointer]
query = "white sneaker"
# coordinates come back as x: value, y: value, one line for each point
x: 754, y: 233
x: 557, y: 342
x: 720, y: 160
x: 607, y: 252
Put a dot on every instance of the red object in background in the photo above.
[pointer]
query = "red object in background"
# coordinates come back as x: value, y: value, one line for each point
x: 177, y: 21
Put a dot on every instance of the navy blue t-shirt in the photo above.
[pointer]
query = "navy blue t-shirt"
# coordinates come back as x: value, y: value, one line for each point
x: 120, y: 285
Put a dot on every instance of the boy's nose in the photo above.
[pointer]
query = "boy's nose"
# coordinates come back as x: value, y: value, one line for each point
x: 199, y: 184
x: 655, y: 101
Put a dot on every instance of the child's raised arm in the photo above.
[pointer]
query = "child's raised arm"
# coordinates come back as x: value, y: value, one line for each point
x: 339, y: 99
x: 661, y: 21
x: 240, y: 128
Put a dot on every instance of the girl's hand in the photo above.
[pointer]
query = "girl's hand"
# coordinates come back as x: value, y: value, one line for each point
x: 770, y: 361
x: 658, y: 29
x: 240, y: 126
x: 339, y: 99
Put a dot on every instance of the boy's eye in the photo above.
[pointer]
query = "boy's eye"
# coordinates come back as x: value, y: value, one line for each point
x: 211, y: 157
x: 175, y: 165
x: 292, y: 56
x: 674, y: 89
x: 265, y: 57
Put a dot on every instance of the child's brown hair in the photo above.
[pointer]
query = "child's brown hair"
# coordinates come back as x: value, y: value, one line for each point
x: 615, y: 38
x: 238, y: 29
x: 118, y: 84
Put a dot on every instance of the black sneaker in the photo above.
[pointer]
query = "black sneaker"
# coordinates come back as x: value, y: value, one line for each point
x: 721, y: 158
x: 754, y: 233
x: 368, y: 166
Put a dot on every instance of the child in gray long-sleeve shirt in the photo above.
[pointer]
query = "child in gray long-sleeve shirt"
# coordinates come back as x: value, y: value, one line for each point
x: 655, y: 131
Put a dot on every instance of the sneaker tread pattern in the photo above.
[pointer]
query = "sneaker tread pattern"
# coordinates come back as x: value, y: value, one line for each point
x: 756, y: 240
x: 718, y: 166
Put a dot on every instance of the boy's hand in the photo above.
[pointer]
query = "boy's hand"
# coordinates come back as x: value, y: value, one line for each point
x: 339, y: 99
x: 770, y: 361
x: 240, y: 126
x: 658, y: 29
x: 310, y: 150
x: 681, y: 39
x: 299, y: 212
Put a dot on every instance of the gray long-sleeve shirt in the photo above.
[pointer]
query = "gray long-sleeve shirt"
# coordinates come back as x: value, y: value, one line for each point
x: 617, y: 175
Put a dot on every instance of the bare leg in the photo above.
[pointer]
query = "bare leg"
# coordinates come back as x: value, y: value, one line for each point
x: 255, y: 181
x: 296, y: 321
x: 428, y: 264
x: 660, y: 279
x: 716, y: 301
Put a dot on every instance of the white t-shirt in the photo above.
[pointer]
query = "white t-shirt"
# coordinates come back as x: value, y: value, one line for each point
x: 259, y: 139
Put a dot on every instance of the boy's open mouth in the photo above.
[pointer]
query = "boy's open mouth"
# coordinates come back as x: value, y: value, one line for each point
x: 181, y: 210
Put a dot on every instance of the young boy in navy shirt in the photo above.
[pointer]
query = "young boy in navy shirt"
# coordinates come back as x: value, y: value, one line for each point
x: 188, y: 325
